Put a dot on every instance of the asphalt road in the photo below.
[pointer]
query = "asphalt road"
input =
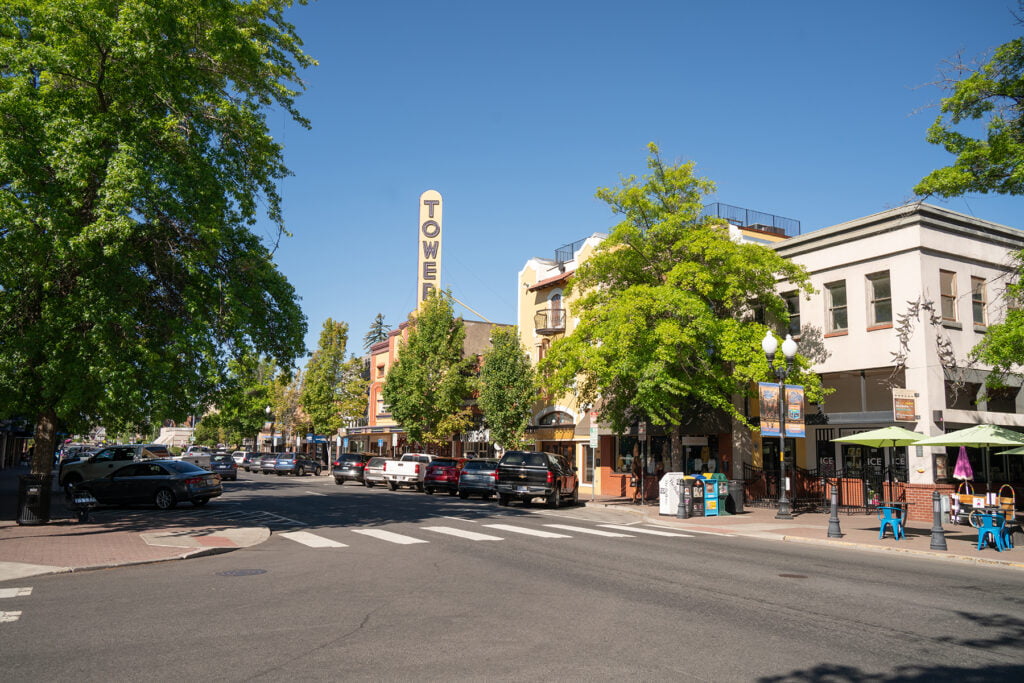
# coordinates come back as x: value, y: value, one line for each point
x: 466, y: 590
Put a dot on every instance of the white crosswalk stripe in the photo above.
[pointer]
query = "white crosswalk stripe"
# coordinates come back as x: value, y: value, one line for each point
x: 584, y: 530
x: 312, y: 540
x: 389, y: 536
x: 462, y: 533
x: 15, y: 592
x: 526, y: 531
x: 638, y: 530
x: 6, y: 617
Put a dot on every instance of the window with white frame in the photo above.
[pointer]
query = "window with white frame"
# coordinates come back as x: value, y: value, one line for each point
x: 947, y: 294
x: 879, y: 298
x: 835, y: 299
x: 792, y: 300
x: 978, y: 300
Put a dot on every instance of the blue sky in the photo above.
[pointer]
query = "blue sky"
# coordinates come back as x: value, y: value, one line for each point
x: 517, y: 112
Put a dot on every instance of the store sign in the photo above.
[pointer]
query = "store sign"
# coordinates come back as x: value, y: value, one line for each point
x: 428, y: 246
x: 904, y: 405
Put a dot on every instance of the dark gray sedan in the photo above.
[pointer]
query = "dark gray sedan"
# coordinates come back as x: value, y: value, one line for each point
x: 297, y: 464
x: 163, y: 483
x: 478, y: 477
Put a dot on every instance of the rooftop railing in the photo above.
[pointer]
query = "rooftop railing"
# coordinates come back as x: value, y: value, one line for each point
x: 756, y: 220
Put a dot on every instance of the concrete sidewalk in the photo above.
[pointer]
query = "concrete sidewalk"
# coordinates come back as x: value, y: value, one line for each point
x: 66, y: 545
x: 860, y: 532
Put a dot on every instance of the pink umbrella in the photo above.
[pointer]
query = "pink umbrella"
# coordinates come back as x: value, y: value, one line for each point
x: 963, y: 466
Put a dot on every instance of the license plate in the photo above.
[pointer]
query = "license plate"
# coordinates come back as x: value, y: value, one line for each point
x: 522, y: 489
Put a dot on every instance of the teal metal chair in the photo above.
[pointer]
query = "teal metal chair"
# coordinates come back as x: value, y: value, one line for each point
x: 890, y: 518
x: 994, y: 527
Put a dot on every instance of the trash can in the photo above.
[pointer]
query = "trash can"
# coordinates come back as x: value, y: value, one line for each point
x: 684, y: 510
x: 735, y: 502
x: 33, y: 499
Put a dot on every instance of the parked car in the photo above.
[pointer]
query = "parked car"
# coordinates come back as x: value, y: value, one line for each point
x: 442, y: 475
x: 224, y: 465
x: 267, y: 464
x: 373, y: 473
x: 297, y: 464
x: 251, y: 461
x: 478, y: 477
x: 408, y: 470
x: 106, y: 460
x: 163, y: 483
x: 525, y: 475
x: 349, y: 467
x: 238, y: 456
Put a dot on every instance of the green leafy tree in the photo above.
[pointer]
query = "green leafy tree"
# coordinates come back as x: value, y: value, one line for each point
x: 134, y: 157
x: 992, y: 93
x: 208, y: 431
x: 428, y: 386
x: 665, y: 309
x: 333, y: 386
x: 507, y: 388
x: 240, y: 410
x: 378, y: 332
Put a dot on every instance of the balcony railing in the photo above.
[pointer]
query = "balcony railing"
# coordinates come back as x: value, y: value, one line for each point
x: 549, y: 321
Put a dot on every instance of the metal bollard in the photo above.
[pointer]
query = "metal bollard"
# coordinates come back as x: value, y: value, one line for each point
x: 938, y: 534
x: 833, y: 521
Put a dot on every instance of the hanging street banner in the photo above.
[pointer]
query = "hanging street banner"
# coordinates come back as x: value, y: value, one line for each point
x: 428, y: 245
x: 795, y: 411
x: 768, y: 394
x: 904, y: 405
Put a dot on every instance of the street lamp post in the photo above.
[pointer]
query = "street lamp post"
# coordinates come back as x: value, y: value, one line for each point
x: 273, y: 423
x: 769, y: 345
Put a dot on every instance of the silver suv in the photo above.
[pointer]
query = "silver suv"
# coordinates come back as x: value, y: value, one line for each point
x: 106, y: 460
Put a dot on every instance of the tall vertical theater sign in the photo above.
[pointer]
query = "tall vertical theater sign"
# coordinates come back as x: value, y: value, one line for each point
x: 429, y: 247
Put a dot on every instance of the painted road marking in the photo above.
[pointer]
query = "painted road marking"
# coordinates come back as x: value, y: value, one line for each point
x: 471, y: 535
x: 528, y: 532
x: 312, y: 540
x: 583, y: 530
x: 14, y: 592
x: 388, y: 536
x: 6, y: 617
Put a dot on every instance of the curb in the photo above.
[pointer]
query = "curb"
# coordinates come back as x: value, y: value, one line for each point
x: 1009, y: 564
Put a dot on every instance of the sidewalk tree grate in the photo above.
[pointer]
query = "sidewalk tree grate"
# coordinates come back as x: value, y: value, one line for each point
x: 242, y: 572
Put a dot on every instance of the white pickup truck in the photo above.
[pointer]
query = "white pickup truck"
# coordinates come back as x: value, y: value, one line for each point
x: 408, y: 470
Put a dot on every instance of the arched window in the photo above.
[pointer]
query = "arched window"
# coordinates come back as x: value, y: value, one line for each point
x: 557, y: 417
x: 557, y: 314
x: 542, y: 349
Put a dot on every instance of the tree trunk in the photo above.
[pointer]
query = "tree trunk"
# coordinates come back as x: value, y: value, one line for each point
x: 45, y: 443
x: 677, y: 448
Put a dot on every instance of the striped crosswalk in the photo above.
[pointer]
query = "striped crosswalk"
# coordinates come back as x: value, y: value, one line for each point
x: 8, y: 616
x: 491, y: 531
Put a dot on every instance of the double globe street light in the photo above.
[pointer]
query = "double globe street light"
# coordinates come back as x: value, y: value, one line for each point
x: 770, y: 345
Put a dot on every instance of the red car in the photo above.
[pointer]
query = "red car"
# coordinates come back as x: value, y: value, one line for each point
x: 443, y: 475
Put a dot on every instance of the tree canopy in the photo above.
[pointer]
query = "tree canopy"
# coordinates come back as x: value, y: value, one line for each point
x: 507, y: 388
x: 334, y: 388
x: 665, y: 308
x: 427, y: 387
x: 134, y: 160
x: 993, y: 94
x: 378, y: 332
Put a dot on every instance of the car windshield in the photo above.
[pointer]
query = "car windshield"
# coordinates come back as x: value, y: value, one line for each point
x: 525, y: 459
x: 183, y: 467
x: 351, y: 461
x: 479, y: 465
x: 221, y: 458
x: 443, y: 463
x: 376, y: 462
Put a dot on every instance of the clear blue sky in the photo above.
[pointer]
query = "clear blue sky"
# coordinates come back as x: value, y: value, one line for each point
x: 517, y: 112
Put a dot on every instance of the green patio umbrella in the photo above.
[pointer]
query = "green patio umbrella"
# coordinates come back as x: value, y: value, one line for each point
x: 979, y: 436
x: 886, y: 437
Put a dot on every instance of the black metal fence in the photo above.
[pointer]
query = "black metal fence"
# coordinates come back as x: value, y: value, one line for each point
x: 810, y: 491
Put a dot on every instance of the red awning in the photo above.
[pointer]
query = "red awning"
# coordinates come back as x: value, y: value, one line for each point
x: 551, y: 281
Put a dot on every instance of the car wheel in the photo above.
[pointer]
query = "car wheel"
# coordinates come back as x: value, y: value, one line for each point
x: 164, y: 499
x: 576, y: 495
x: 70, y: 482
x: 368, y: 484
x: 339, y: 482
x: 503, y: 499
x: 419, y: 487
x: 316, y: 472
x: 463, y: 495
x: 555, y: 499
x: 486, y: 496
x: 393, y: 486
x: 301, y: 472
x: 452, y: 492
x: 427, y: 490
x: 200, y: 502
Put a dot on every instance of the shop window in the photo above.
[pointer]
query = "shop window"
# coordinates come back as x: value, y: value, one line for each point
x: 629, y: 450
x: 558, y: 417
x: 880, y: 298
x: 835, y: 295
x: 947, y: 293
x: 978, y: 300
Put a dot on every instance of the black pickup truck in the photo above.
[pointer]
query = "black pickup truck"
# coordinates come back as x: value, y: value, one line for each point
x: 525, y: 475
